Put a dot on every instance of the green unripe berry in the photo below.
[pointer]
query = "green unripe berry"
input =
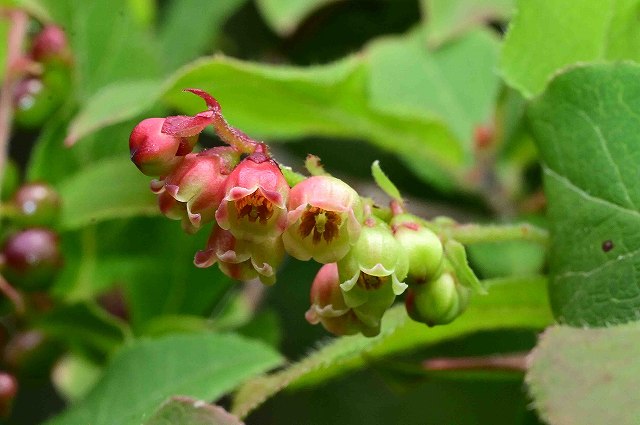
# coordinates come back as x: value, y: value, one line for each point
x: 437, y: 302
x: 423, y: 248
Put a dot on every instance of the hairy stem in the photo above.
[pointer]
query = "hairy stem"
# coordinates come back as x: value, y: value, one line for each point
x: 477, y: 233
x: 17, y: 34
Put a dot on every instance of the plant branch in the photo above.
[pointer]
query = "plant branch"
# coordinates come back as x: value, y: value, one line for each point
x: 13, y: 295
x: 511, y: 362
x: 17, y: 34
x: 477, y: 233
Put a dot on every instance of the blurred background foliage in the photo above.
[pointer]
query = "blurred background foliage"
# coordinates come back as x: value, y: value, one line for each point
x: 414, y: 84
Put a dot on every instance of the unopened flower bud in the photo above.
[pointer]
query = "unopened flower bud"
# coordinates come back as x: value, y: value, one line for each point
x: 423, y: 247
x: 437, y: 302
x: 50, y: 43
x: 329, y: 308
x: 254, y: 205
x: 30, y: 354
x: 37, y: 204
x: 155, y: 153
x: 8, y: 391
x: 323, y: 222
x: 372, y: 273
x: 32, y: 257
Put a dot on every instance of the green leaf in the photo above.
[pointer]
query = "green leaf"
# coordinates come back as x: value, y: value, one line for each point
x: 207, y: 17
x: 586, y: 376
x: 112, y: 104
x: 123, y: 192
x: 447, y: 19
x: 141, y: 376
x: 456, y: 83
x: 586, y: 127
x: 85, y: 326
x: 150, y: 258
x: 509, y: 305
x: 384, y: 183
x: 284, y: 16
x: 397, y: 95
x: 457, y: 256
x: 108, y: 42
x: 545, y: 37
x: 187, y: 411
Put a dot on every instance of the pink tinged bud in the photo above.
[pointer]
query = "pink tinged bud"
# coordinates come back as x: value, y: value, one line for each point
x: 155, y: 153
x: 51, y: 42
x: 329, y: 308
x: 32, y: 257
x: 423, y: 248
x: 254, y: 206
x: 198, y: 182
x: 372, y: 273
x: 323, y: 220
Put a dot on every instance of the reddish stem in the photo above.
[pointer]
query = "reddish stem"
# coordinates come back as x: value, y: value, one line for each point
x: 514, y: 362
x: 13, y: 295
x: 17, y: 34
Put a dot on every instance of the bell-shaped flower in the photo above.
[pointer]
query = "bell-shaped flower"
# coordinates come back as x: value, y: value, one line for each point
x: 329, y: 308
x: 372, y: 273
x: 323, y: 220
x: 154, y: 152
x: 199, y: 183
x: 254, y: 204
x: 423, y: 248
x: 240, y: 259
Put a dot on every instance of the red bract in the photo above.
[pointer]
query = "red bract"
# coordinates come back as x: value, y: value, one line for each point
x: 155, y: 153
x: 254, y: 206
x: 198, y: 182
x: 323, y: 220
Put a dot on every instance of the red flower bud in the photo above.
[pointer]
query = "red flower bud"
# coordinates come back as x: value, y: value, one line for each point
x: 51, y: 42
x: 8, y: 391
x: 329, y: 308
x: 154, y: 152
x: 254, y: 207
x: 32, y: 257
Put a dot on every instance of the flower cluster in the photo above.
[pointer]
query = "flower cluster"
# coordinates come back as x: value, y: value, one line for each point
x: 258, y: 216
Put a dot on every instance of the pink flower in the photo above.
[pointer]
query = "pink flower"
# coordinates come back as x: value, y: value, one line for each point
x: 240, y: 259
x: 329, y: 308
x: 156, y: 153
x: 323, y: 220
x: 254, y: 205
x: 198, y: 182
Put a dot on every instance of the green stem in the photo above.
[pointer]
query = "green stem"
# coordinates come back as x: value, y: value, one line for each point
x: 8, y: 210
